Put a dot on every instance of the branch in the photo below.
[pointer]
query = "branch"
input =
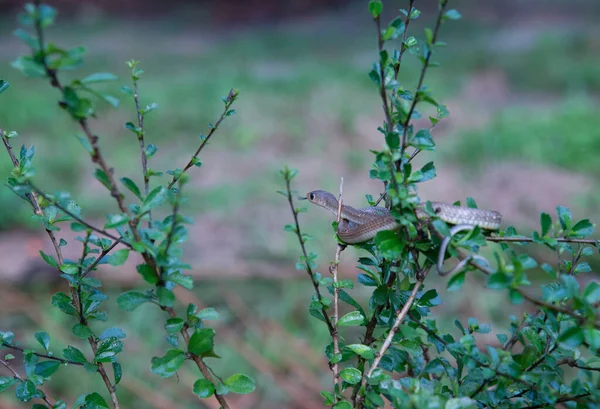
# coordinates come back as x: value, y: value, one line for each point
x: 31, y: 197
x: 400, y: 315
x: 415, y: 100
x: 559, y: 400
x: 140, y: 136
x: 382, y: 90
x: 204, y: 369
x: 333, y: 269
x: 75, y: 217
x: 498, y: 239
x: 539, y: 303
x: 229, y: 100
x: 308, y: 269
x: 62, y: 360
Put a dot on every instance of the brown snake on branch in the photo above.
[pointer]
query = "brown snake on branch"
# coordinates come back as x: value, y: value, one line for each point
x: 361, y: 225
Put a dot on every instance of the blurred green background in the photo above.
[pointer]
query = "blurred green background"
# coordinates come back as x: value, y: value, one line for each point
x: 521, y: 81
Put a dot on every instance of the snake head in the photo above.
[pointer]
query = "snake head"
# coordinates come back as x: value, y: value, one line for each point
x: 322, y: 198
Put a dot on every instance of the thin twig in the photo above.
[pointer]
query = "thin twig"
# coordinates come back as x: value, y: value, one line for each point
x: 62, y: 360
x: 31, y: 197
x: 229, y: 100
x: 525, y: 295
x: 308, y: 268
x: 415, y: 100
x: 204, y: 369
x: 559, y: 400
x: 400, y: 315
x: 333, y: 269
x: 140, y: 136
x: 498, y: 239
x: 55, y: 203
x: 99, y: 258
x: 382, y: 90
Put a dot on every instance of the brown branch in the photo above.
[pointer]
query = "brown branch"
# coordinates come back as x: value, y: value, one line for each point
x: 498, y: 239
x: 382, y: 90
x: 333, y: 269
x: 573, y: 364
x: 400, y: 315
x: 204, y: 369
x: 31, y: 197
x: 415, y: 100
x: 62, y: 360
x: 229, y: 100
x: 308, y: 268
x: 559, y: 400
x: 140, y: 136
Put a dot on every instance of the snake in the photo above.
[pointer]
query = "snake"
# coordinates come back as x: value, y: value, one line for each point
x: 361, y: 225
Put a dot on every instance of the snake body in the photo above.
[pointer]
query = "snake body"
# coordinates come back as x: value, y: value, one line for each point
x: 360, y: 225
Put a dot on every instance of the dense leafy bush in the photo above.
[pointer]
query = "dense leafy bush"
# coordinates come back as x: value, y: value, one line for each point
x: 403, y: 358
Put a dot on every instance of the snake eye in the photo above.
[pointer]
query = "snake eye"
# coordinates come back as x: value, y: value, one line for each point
x: 311, y: 196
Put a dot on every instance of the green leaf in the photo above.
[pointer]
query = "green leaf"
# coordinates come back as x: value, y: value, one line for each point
x: 169, y: 364
x: 452, y: 14
x: 499, y: 280
x: 26, y: 391
x: 117, y: 371
x: 117, y: 258
x: 114, y: 332
x: 546, y: 223
x: 456, y: 281
x: 165, y: 297
x: 44, y: 339
x: 186, y: 282
x: 423, y: 140
x: 147, y: 274
x: 130, y: 300
x: 73, y: 354
x: 351, y: 375
x: 375, y: 8
x: 47, y: 368
x: 94, y: 401
x: 203, y: 388
x: 461, y: 403
x: 342, y: 405
x: 353, y: 318
x: 240, y: 384
x: 102, y: 178
x: 3, y: 86
x: 389, y: 244
x: 362, y: 350
x: 130, y: 184
x: 392, y: 139
x: 99, y: 77
x: 208, y: 314
x: 202, y: 341
x: 581, y: 229
x: 51, y: 261
x: 116, y: 220
x: 155, y: 198
x: 82, y: 331
x: 564, y: 215
x: 174, y: 325
x: 572, y: 337
x: 6, y: 382
x: 108, y: 349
